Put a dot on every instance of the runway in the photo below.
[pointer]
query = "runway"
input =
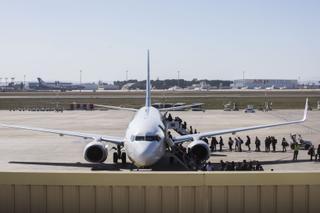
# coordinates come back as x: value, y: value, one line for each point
x: 29, y: 151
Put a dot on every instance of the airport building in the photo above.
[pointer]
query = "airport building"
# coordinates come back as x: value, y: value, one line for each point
x: 265, y: 83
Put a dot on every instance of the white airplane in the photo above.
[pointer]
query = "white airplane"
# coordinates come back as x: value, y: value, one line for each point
x: 146, y: 140
x: 270, y: 88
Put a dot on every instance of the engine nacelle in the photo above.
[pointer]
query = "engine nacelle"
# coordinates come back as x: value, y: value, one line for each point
x: 95, y: 152
x: 199, y: 151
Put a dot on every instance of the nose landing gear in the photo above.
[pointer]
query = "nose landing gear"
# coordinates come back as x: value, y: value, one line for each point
x: 123, y: 158
x: 119, y: 156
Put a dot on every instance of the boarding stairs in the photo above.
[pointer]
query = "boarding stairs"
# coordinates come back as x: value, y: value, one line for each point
x: 177, y: 152
x: 183, y: 158
x: 176, y: 126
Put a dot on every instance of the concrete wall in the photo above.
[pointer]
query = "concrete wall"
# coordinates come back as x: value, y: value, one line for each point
x: 159, y: 192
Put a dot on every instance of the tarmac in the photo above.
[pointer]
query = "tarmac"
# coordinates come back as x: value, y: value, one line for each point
x: 31, y: 151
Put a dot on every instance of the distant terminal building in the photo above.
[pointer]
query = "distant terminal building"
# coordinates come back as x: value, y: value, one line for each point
x: 309, y: 84
x: 107, y: 86
x: 265, y: 83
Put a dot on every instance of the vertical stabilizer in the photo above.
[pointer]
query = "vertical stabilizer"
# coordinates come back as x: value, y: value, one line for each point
x: 41, y: 82
x: 148, y: 84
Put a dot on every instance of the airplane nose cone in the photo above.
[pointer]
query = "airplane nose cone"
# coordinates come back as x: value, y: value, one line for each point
x: 146, y: 153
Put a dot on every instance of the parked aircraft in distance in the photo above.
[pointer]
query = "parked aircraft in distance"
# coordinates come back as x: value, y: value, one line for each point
x: 146, y: 139
x: 42, y: 85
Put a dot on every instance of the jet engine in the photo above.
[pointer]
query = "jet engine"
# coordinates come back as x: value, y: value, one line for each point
x: 95, y: 152
x: 199, y: 151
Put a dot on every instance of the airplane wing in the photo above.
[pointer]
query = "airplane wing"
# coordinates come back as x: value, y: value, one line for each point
x: 97, y: 137
x: 183, y: 138
x: 116, y: 107
x: 179, y: 107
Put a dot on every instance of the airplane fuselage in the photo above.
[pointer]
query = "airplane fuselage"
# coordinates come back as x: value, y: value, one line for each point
x: 144, y: 141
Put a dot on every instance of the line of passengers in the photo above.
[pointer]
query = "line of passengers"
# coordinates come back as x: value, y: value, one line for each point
x: 233, y: 166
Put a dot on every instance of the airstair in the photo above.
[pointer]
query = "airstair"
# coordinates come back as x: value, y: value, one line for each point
x: 178, y: 152
x: 178, y: 127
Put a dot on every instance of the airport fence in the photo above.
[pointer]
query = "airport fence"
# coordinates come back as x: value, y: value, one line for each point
x: 160, y: 192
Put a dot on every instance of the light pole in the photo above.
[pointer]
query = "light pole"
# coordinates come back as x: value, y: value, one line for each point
x: 243, y: 77
x: 126, y: 75
x: 80, y: 79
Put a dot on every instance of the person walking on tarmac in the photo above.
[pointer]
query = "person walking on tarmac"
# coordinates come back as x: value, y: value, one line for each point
x: 258, y: 144
x: 295, y: 151
x: 267, y: 143
x: 191, y: 131
x: 311, y: 152
x: 284, y: 144
x: 240, y: 144
x: 169, y: 117
x: 220, y: 144
x: 213, y: 144
x: 318, y: 153
x: 274, y: 142
x: 248, y: 142
x: 236, y: 147
x: 230, y: 143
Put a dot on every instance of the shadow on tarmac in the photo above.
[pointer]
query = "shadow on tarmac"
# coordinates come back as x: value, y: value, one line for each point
x: 162, y: 165
x: 270, y: 162
x: 218, y: 155
x: 93, y: 166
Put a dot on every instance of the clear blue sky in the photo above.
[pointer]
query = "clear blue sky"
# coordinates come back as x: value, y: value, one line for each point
x: 203, y: 39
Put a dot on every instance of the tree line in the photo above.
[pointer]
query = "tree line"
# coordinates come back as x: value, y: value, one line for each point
x: 168, y: 83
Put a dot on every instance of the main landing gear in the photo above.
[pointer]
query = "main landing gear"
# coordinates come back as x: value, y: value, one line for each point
x: 118, y: 155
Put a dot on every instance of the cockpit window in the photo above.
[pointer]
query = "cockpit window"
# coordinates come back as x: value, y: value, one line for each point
x: 152, y: 138
x: 148, y: 138
x: 139, y: 138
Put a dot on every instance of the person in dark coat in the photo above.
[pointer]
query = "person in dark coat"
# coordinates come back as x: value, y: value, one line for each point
x: 213, y: 144
x: 222, y: 165
x: 311, y: 152
x: 258, y: 144
x: 295, y: 151
x: 184, y: 125
x: 248, y: 142
x: 318, y: 153
x: 230, y: 143
x: 267, y: 144
x: 220, y: 144
x: 284, y: 144
x: 236, y: 147
x: 240, y: 144
x: 274, y: 142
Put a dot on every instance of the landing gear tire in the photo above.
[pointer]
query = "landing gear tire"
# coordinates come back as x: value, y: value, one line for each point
x: 115, y: 157
x: 123, y: 158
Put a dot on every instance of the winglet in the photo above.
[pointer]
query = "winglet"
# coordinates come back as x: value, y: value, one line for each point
x: 305, y: 111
